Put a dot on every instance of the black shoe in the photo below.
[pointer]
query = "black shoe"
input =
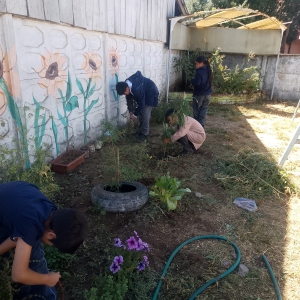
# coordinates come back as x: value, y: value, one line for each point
x: 186, y: 152
x: 141, y: 137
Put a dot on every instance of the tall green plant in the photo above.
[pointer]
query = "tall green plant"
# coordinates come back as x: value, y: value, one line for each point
x: 167, y: 189
x: 242, y: 79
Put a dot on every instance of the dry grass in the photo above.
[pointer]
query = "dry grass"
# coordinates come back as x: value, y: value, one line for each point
x: 274, y: 229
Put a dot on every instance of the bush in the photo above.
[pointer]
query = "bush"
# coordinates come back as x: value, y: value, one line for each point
x: 242, y: 79
x: 12, y: 167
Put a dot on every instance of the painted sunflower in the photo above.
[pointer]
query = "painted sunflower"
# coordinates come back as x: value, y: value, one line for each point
x: 91, y: 65
x: 53, y: 74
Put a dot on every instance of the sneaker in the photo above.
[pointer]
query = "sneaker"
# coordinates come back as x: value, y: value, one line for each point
x: 141, y: 137
x: 186, y: 152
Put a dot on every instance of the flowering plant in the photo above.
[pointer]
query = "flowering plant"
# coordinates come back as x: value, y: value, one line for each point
x: 130, y: 255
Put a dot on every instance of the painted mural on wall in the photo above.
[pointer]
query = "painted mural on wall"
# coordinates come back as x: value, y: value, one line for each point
x: 54, y: 94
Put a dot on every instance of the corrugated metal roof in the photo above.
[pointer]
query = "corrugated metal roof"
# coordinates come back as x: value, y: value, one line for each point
x: 203, y: 19
x: 270, y: 23
x: 220, y: 17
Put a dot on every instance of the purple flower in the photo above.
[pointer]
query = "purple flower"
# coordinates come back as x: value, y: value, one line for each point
x: 119, y: 260
x: 146, y: 247
x: 140, y: 245
x: 114, y: 267
x: 132, y: 243
x: 146, y: 261
x: 118, y: 243
x: 141, y: 266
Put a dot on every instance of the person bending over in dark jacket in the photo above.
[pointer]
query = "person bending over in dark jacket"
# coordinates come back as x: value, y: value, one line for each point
x: 202, y: 83
x: 144, y: 92
x: 28, y: 217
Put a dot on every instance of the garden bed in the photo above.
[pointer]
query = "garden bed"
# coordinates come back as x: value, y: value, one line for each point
x: 264, y: 128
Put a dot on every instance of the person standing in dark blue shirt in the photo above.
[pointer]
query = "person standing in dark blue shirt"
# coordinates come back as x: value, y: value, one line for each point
x: 28, y: 217
x: 144, y: 92
x: 202, y: 83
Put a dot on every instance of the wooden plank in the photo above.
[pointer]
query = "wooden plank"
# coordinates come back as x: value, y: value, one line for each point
x: 154, y: 22
x: 79, y: 13
x: 51, y: 9
x: 110, y: 16
x: 139, y: 20
x: 90, y: 14
x: 3, y: 6
x: 66, y: 11
x: 161, y: 20
x: 133, y: 17
x: 165, y: 21
x: 145, y: 17
x: 148, y: 12
x: 36, y: 9
x: 123, y: 17
x: 128, y: 17
x: 102, y: 20
x: 18, y: 7
x: 118, y: 16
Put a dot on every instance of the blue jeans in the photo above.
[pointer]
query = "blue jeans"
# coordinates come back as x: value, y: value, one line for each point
x: 200, y: 107
x: 38, y: 264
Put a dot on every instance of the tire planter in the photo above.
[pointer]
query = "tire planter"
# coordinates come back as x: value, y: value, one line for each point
x: 131, y: 196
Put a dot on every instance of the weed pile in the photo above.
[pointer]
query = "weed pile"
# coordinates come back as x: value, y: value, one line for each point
x: 251, y: 174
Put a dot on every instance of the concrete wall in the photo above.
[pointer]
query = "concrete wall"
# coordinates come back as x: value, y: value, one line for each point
x: 58, y: 83
x: 261, y: 42
x: 287, y: 78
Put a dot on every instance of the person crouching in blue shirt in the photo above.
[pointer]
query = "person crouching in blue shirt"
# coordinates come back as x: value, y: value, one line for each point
x: 28, y: 217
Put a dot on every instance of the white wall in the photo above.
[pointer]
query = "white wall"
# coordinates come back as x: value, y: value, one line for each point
x: 45, y: 106
x: 261, y: 42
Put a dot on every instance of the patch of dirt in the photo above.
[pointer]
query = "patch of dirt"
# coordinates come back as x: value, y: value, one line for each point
x: 213, y: 213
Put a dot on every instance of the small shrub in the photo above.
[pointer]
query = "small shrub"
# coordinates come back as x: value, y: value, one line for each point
x: 12, y: 167
x: 167, y: 189
x: 242, y: 79
x: 57, y: 261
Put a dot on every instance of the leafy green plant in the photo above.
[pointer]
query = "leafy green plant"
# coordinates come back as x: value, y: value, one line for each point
x: 168, y: 190
x: 120, y: 165
x: 12, y: 167
x: 242, y: 79
x: 6, y: 285
x: 57, y: 261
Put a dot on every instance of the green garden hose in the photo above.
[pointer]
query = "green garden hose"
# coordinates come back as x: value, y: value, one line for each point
x: 272, y: 277
x: 238, y: 259
x: 200, y: 290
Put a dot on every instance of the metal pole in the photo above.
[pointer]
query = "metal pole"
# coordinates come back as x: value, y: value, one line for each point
x: 172, y: 24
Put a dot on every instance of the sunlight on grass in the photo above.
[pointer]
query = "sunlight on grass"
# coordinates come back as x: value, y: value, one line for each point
x: 274, y: 131
x: 291, y: 265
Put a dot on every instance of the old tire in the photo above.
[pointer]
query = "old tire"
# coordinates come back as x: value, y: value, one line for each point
x: 133, y: 199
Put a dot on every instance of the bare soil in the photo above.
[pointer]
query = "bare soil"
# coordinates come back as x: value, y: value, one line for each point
x: 263, y: 127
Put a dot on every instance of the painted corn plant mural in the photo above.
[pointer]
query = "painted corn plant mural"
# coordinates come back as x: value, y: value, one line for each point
x: 114, y: 69
x: 54, y: 78
x: 91, y: 66
x: 7, y: 63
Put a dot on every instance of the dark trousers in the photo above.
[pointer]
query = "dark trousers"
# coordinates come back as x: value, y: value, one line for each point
x: 200, y: 107
x: 186, y: 144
